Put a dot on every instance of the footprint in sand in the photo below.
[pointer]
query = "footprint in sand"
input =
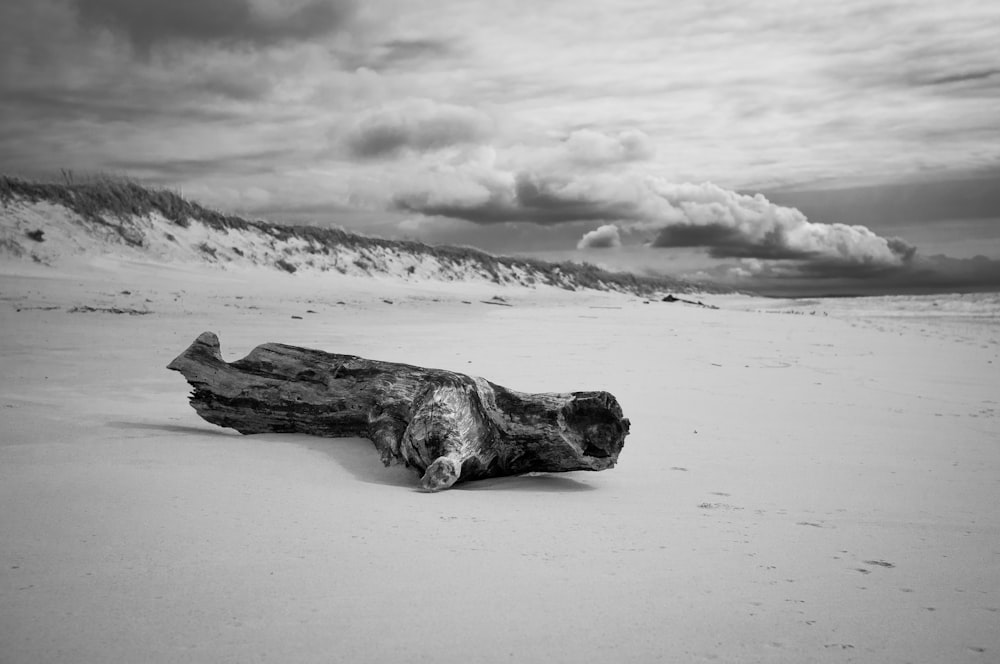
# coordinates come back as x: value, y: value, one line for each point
x: 718, y: 506
x: 880, y: 563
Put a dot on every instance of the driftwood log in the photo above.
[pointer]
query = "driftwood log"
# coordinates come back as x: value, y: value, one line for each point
x: 449, y: 426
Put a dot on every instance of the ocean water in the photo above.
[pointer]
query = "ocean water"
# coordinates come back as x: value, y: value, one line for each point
x: 977, y: 306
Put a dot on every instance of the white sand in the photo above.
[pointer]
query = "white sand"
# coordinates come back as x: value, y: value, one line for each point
x: 796, y: 488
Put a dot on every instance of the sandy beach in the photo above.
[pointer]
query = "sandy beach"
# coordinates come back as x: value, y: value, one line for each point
x: 804, y: 481
x: 761, y: 239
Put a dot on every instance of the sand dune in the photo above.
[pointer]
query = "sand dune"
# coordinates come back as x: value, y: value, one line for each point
x: 797, y: 487
x: 71, y: 223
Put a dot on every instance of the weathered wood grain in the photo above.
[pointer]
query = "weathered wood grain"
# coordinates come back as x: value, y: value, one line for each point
x: 449, y: 426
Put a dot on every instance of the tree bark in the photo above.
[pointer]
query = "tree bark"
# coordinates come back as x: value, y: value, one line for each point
x: 449, y: 426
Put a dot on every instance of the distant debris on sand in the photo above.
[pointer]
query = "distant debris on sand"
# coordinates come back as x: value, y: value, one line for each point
x: 497, y: 300
x: 84, y: 309
x: 698, y: 303
x: 37, y: 308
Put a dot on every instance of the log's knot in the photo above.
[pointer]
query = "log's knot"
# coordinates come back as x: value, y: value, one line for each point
x: 205, y: 348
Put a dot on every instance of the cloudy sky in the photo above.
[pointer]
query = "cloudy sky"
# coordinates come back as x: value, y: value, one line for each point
x: 784, y: 145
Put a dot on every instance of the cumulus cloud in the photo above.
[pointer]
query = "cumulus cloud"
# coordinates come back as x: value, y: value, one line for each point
x: 417, y: 124
x: 725, y: 223
x: 149, y: 22
x: 732, y: 225
x: 603, y: 237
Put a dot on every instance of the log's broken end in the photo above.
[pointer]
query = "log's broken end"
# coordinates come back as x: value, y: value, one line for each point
x: 204, y: 350
x: 594, y: 421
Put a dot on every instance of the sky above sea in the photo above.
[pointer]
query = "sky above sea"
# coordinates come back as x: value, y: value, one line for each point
x: 778, y: 145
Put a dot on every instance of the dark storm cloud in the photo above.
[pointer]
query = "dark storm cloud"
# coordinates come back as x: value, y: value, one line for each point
x: 416, y: 124
x: 728, y: 242
x: 149, y: 22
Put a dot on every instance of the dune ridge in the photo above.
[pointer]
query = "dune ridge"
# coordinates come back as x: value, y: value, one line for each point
x: 51, y: 223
